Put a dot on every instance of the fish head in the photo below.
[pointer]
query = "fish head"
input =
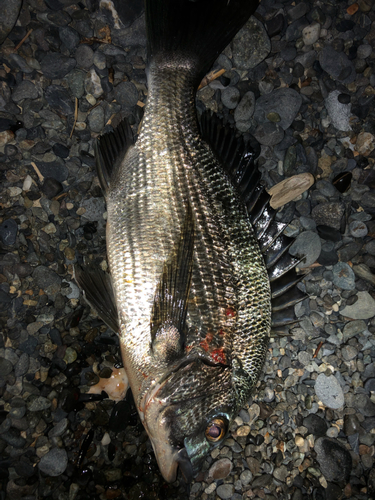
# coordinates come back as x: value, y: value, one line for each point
x: 187, y: 413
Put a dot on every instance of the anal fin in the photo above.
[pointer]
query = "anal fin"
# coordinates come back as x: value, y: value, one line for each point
x: 97, y: 290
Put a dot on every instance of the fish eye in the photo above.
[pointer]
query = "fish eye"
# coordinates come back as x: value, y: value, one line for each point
x: 216, y: 429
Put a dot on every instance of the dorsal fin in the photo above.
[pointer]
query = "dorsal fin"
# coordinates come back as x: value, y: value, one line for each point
x: 110, y: 150
x: 238, y: 159
x: 171, y: 296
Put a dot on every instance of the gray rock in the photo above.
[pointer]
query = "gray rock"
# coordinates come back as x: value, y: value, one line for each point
x: 251, y: 45
x: 329, y: 391
x: 84, y: 56
x: 126, y: 94
x: 38, y: 403
x: 311, y: 33
x: 69, y: 37
x: 349, y: 352
x: 54, y: 462
x: 364, y: 51
x: 353, y: 328
x: 13, y: 438
x: 55, y: 169
x: 9, y: 12
x: 285, y: 102
x: 364, y: 308
x: 328, y: 214
x: 230, y: 97
x: 358, y: 229
x: 92, y: 83
x: 59, y: 100
x: 343, y: 276
x: 225, y: 491
x: 268, y: 134
x: 335, y: 461
x: 96, y: 119
x: 76, y: 82
x: 338, y: 112
x: 95, y: 208
x: 337, y: 65
x: 54, y: 65
x: 25, y: 90
x: 307, y: 244
x: 22, y: 365
x: 59, y: 428
x: 245, y: 108
x: 47, y: 280
x: 315, y: 425
x: 100, y: 61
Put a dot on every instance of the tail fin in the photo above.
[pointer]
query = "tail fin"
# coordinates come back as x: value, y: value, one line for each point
x: 193, y: 32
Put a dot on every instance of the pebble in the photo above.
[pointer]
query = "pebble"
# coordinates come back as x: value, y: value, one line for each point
x: 285, y: 102
x: 25, y: 90
x: 220, y: 469
x: 338, y: 111
x: 307, y: 245
x: 59, y: 100
x: 329, y: 391
x: 126, y: 94
x: 8, y: 232
x: 251, y: 45
x: 56, y: 66
x: 225, y: 491
x: 337, y: 65
x: 363, y: 308
x: 54, y: 462
x: 343, y: 276
x: 315, y: 425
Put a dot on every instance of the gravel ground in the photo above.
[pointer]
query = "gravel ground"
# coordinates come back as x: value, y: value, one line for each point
x: 300, y: 77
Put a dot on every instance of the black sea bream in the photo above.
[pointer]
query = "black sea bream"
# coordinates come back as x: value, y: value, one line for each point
x: 189, y: 289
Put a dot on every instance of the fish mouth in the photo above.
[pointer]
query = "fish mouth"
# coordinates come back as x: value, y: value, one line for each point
x: 170, y: 459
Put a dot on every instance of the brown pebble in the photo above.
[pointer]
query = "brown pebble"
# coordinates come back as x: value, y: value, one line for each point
x: 220, y: 469
x: 352, y: 9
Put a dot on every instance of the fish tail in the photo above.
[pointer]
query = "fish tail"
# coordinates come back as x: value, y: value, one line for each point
x: 193, y: 32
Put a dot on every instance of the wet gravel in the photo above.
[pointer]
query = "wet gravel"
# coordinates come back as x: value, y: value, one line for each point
x: 300, y: 77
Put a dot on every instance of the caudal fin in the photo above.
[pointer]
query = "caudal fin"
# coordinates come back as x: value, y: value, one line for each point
x: 193, y: 32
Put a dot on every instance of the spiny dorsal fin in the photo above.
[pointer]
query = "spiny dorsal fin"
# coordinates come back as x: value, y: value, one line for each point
x: 97, y: 290
x: 238, y: 159
x: 171, y: 296
x: 110, y: 150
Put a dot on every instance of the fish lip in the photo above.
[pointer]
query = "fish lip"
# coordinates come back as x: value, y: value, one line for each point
x: 185, y: 465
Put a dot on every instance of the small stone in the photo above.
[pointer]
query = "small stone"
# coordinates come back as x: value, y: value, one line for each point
x: 39, y: 403
x: 328, y: 214
x: 269, y: 134
x: 6, y: 367
x: 349, y: 352
x: 55, y: 65
x: 84, y: 56
x: 251, y: 45
x: 225, y: 491
x: 220, y: 469
x: 126, y: 94
x: 285, y: 102
x: 93, y: 84
x: 54, y: 462
x: 307, y: 245
x: 59, y: 100
x: 51, y: 187
x: 9, y: 14
x: 230, y: 97
x: 353, y: 328
x: 358, y: 229
x: 329, y: 391
x: 343, y: 276
x: 311, y: 33
x: 338, y: 112
x: 281, y: 473
x: 59, y: 429
x: 365, y: 143
x: 363, y: 308
x: 337, y: 65
x: 315, y: 425
x: 8, y: 232
x: 96, y: 119
x: 25, y: 90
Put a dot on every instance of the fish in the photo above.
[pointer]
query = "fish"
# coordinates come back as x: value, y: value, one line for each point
x: 199, y: 268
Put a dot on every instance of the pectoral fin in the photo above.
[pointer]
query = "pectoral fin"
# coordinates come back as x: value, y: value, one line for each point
x: 97, y: 290
x: 171, y: 296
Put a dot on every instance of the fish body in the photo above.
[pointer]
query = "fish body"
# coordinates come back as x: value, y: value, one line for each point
x: 190, y: 285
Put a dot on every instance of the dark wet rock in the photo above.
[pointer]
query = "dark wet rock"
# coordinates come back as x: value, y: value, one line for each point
x: 328, y: 256
x: 76, y: 79
x: 59, y: 100
x: 5, y: 367
x: 51, y: 187
x: 25, y: 90
x: 364, y: 405
x: 328, y: 233
x: 369, y: 385
x: 251, y: 45
x: 38, y: 403
x: 334, y: 460
x: 55, y: 65
x: 348, y: 251
x: 54, y: 462
x: 8, y: 232
x: 315, y: 425
x: 59, y: 429
x: 328, y: 214
x: 343, y: 276
x: 9, y: 12
x: 308, y: 245
x: 285, y: 102
x: 60, y: 150
x: 275, y: 25
x: 69, y: 37
x: 120, y: 416
x: 358, y: 229
x: 297, y: 11
x: 55, y: 169
x: 22, y: 365
x: 29, y: 345
x: 342, y: 181
x: 353, y: 328
x: 13, y: 438
x: 47, y: 280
